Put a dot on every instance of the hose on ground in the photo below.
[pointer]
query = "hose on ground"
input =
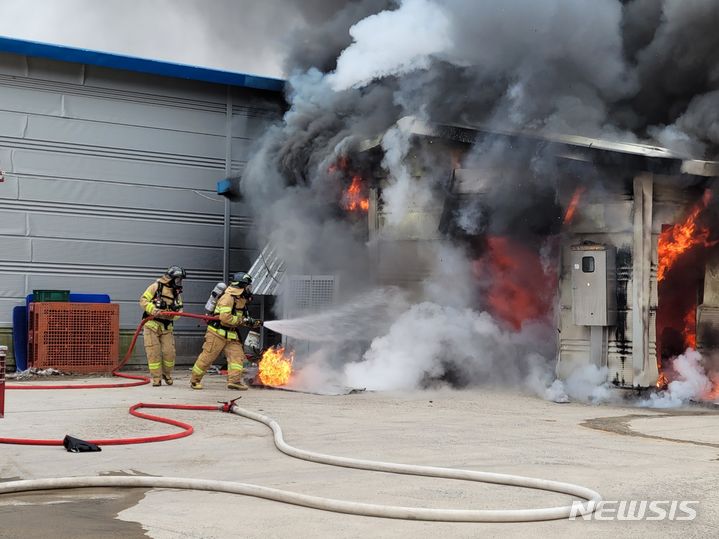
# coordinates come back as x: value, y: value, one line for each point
x: 187, y: 429
x: 141, y: 380
x: 342, y: 506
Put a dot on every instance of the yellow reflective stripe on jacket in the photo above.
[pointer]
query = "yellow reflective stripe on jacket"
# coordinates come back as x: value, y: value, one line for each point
x: 234, y: 366
x: 148, y: 295
x: 149, y: 308
x: 230, y: 335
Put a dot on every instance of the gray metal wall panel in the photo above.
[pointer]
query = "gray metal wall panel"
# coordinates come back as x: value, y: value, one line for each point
x: 249, y: 125
x: 117, y: 196
x: 83, y: 132
x: 12, y: 124
x: 87, y: 167
x: 12, y: 223
x: 6, y: 307
x: 15, y: 249
x: 135, y: 113
x: 12, y: 286
x: 125, y: 81
x: 116, y: 254
x: 30, y: 101
x: 123, y: 230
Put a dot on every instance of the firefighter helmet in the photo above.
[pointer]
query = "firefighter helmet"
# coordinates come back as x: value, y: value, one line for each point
x: 176, y: 272
x: 241, y: 279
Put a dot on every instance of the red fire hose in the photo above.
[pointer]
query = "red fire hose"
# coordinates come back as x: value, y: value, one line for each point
x: 142, y: 380
x: 186, y: 428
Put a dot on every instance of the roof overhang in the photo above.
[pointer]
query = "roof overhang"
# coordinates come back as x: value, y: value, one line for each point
x: 642, y: 156
x: 141, y: 65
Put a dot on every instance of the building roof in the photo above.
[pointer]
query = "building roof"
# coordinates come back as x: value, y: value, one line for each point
x: 572, y: 146
x: 141, y: 65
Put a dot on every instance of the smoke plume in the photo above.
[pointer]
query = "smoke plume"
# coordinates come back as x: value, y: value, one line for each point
x: 633, y: 70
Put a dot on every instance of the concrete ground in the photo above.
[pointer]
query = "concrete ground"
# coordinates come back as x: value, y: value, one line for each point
x: 624, y: 453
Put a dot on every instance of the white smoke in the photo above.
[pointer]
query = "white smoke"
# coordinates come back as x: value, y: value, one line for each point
x: 691, y: 383
x: 392, y: 43
x: 403, y: 192
x: 587, y: 384
x: 431, y: 341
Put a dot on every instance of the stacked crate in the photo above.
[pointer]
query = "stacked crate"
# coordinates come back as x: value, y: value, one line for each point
x: 74, y: 337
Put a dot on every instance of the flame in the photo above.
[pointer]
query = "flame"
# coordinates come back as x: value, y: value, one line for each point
x: 341, y: 164
x: 681, y: 257
x: 275, y: 367
x: 352, y: 199
x: 679, y: 238
x: 690, y: 328
x: 520, y: 288
x: 573, y: 203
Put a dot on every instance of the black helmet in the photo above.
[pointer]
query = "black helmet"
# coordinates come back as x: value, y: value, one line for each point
x: 241, y: 279
x: 176, y: 272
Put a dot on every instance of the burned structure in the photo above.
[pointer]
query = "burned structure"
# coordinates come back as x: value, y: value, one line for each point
x: 620, y: 258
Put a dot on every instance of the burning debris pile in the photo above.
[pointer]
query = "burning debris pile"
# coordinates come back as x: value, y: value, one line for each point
x: 345, y: 186
x: 275, y: 367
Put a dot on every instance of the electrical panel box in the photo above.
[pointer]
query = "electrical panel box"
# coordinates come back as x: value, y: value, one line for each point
x: 594, y: 299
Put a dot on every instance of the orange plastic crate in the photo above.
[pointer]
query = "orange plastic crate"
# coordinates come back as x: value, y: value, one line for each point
x: 74, y: 337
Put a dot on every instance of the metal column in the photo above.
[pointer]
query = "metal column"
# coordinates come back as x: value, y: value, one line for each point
x: 228, y: 173
x: 645, y: 371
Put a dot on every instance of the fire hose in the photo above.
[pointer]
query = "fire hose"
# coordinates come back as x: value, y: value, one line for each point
x: 591, y: 497
x: 327, y: 504
x: 142, y: 380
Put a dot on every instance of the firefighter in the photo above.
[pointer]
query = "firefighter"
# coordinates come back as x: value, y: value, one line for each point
x: 223, y: 335
x: 165, y: 294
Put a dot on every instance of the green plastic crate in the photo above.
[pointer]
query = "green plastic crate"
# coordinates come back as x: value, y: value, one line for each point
x: 42, y: 296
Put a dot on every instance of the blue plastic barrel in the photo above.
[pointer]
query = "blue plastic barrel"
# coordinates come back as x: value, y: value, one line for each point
x: 19, y: 337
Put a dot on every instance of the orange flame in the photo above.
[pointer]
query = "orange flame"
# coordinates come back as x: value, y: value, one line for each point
x: 341, y: 164
x: 275, y: 367
x: 520, y: 289
x: 690, y: 328
x: 573, y: 203
x: 679, y: 238
x: 352, y: 199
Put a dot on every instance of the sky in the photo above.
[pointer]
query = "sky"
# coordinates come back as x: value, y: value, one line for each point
x: 248, y: 36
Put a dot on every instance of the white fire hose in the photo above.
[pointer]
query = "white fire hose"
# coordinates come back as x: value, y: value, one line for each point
x: 341, y: 506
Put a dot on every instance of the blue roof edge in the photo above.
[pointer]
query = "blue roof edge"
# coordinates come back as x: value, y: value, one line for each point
x: 141, y: 65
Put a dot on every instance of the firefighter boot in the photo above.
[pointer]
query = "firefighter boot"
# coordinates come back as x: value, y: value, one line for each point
x: 156, y: 382
x: 238, y: 384
x: 168, y: 379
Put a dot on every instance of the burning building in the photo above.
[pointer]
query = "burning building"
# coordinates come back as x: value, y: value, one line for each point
x: 622, y: 261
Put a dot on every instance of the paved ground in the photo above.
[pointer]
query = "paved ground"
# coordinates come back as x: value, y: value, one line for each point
x: 624, y: 453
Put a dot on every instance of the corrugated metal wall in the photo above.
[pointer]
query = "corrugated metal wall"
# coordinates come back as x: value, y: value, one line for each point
x: 111, y: 177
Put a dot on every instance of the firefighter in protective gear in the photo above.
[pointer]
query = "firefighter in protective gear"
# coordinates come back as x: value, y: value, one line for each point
x: 223, y: 335
x: 165, y: 294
